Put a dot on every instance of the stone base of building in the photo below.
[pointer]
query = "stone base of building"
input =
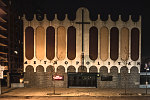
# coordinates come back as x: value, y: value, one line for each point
x: 103, y: 80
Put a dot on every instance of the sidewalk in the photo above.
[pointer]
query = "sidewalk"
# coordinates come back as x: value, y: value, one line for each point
x: 70, y: 92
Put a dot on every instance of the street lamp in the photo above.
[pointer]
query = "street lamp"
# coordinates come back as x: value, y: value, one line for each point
x: 16, y: 52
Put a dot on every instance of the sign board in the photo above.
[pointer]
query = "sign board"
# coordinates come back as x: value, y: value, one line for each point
x: 58, y: 77
x: 1, y: 74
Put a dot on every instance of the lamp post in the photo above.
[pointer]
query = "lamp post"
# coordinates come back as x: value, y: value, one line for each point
x: 1, y: 77
x: 147, y: 69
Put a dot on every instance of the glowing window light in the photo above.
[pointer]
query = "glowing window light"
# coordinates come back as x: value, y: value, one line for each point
x: 21, y: 80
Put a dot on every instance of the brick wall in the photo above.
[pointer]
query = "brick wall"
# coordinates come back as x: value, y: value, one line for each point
x: 44, y: 79
x: 120, y: 80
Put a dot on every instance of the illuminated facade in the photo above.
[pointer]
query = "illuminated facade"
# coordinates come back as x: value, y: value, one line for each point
x: 103, y: 54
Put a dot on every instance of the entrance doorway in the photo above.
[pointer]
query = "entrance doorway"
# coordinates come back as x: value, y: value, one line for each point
x: 82, y: 79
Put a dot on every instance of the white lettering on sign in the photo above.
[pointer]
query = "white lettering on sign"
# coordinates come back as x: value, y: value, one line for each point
x: 87, y: 63
x: 58, y: 77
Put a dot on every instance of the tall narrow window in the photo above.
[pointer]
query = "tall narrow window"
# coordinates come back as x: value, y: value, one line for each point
x: 135, y: 44
x: 124, y: 50
x: 93, y: 43
x: 61, y: 43
x: 104, y: 43
x: 29, y: 43
x: 71, y: 43
x: 40, y: 43
x: 50, y: 43
x: 114, y: 43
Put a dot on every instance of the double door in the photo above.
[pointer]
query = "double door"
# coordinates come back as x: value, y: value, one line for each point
x: 82, y: 79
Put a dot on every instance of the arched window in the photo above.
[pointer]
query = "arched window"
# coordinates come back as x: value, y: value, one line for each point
x: 71, y: 43
x: 114, y: 43
x: 93, y: 43
x: 50, y: 43
x: 135, y: 44
x: 29, y: 43
x: 71, y: 69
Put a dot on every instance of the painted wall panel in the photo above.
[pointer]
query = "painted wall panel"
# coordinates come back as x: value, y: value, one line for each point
x: 40, y: 43
x: 104, y: 43
x: 124, y: 49
x: 61, y: 43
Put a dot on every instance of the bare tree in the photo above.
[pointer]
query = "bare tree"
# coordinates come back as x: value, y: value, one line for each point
x: 53, y: 74
x: 125, y: 61
x: 52, y: 70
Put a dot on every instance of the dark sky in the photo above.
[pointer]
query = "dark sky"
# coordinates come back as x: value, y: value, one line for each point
x: 104, y: 7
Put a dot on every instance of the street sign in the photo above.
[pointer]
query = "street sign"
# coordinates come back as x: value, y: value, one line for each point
x: 58, y: 77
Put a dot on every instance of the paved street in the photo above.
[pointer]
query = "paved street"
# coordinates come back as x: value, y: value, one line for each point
x: 69, y: 92
x: 76, y: 98
x: 72, y: 94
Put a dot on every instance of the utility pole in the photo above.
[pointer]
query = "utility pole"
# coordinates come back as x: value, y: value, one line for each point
x: 146, y: 83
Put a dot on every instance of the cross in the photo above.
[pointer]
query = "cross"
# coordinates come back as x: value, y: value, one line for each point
x: 82, y: 22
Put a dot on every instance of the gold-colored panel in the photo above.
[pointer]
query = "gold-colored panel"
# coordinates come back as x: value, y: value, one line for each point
x: 61, y: 43
x: 124, y: 50
x: 40, y: 43
x: 104, y: 43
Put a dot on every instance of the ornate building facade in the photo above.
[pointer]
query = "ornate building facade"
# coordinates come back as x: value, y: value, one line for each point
x: 82, y: 53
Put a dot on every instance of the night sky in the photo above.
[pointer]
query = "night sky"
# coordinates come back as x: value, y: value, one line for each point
x: 104, y: 7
